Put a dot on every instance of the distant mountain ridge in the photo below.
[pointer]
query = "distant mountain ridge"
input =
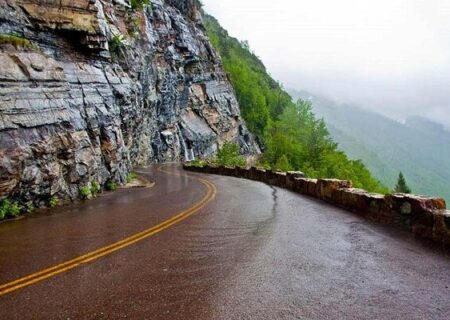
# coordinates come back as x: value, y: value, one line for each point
x: 419, y: 147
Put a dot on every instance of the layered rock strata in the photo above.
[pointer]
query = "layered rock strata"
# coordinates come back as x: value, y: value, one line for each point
x: 104, y: 87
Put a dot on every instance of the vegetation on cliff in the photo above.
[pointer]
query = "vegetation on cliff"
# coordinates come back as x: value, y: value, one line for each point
x: 227, y: 155
x: 418, y: 147
x: 139, y: 4
x: 293, y: 138
x: 16, y: 41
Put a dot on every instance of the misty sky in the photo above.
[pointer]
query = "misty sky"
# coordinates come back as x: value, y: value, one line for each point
x: 388, y: 55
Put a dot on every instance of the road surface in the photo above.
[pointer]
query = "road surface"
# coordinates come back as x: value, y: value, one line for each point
x: 217, y: 248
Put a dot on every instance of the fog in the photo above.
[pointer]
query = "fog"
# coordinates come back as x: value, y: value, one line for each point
x: 391, y: 56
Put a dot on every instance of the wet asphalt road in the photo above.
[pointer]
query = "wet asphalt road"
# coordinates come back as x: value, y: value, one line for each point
x: 254, y: 252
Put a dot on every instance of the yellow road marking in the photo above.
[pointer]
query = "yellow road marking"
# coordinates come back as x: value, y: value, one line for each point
x: 101, y: 252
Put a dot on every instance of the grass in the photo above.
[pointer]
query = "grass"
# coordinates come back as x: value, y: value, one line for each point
x: 198, y: 163
x: 131, y: 176
x: 111, y: 186
x: 16, y: 41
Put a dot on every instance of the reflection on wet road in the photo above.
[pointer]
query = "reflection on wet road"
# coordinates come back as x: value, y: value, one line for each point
x: 254, y: 252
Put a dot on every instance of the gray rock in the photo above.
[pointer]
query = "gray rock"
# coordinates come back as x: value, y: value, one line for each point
x: 71, y: 114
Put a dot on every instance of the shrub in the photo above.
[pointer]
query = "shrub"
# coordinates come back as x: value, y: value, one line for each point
x: 288, y: 130
x: 53, y: 202
x: 9, y: 209
x: 131, y: 176
x: 198, y: 163
x: 229, y: 155
x: 95, y: 188
x: 283, y: 164
x: 139, y: 4
x: 85, y: 192
x: 29, y: 207
x: 111, y: 186
x: 16, y: 41
x: 2, y: 210
x: 116, y: 43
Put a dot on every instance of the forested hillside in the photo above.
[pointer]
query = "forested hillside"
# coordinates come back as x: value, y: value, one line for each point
x: 293, y: 138
x: 419, y: 148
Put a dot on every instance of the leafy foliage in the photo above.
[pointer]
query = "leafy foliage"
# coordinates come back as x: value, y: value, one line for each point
x: 401, y: 186
x: 53, y: 202
x: 29, y: 207
x: 95, y: 188
x: 131, y: 176
x: 111, y: 186
x: 419, y: 148
x: 139, y: 4
x: 261, y: 98
x: 294, y: 138
x: 91, y: 190
x: 85, y: 192
x: 116, y: 44
x: 229, y: 155
x: 283, y: 164
x: 198, y: 163
x: 9, y: 209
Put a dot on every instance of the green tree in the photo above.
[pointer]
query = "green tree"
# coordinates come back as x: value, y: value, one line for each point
x: 229, y: 155
x: 293, y: 138
x: 401, y: 186
x: 283, y: 164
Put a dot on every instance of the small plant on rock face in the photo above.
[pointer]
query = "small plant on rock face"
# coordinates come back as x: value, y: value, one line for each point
x: 53, y: 202
x: 136, y: 26
x: 111, y: 186
x: 139, y: 4
x: 4, y: 207
x: 116, y: 44
x: 95, y: 188
x: 198, y: 163
x: 9, y: 209
x: 16, y: 41
x: 85, y: 192
x: 29, y: 207
x: 2, y: 213
x: 14, y: 210
x: 131, y: 176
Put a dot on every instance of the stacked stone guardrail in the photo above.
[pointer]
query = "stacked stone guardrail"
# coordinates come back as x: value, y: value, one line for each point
x: 425, y: 217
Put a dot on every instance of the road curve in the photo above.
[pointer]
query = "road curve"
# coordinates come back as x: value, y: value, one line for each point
x: 252, y: 252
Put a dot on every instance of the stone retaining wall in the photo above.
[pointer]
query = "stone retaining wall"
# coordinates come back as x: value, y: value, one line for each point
x: 424, y: 216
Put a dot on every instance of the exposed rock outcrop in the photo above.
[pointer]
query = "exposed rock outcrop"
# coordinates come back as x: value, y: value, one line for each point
x: 105, y: 88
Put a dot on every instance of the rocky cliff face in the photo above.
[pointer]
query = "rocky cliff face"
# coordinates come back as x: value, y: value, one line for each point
x: 104, y: 87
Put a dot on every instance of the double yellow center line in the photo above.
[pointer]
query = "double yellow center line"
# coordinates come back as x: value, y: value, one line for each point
x: 101, y: 252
